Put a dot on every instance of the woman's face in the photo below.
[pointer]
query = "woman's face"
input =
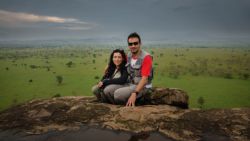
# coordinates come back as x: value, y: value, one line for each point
x: 117, y: 58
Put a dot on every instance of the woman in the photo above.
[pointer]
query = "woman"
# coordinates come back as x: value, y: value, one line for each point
x: 115, y: 76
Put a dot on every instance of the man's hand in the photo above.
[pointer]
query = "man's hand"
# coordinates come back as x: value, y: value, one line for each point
x: 131, y: 100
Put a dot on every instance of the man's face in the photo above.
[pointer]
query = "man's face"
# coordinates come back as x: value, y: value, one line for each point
x: 134, y: 45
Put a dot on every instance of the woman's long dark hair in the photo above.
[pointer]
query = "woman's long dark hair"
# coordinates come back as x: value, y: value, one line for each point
x: 111, y: 67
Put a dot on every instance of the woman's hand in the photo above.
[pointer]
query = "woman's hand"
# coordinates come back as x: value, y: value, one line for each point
x: 100, y: 84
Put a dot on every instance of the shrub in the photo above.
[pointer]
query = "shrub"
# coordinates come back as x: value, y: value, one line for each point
x: 97, y: 77
x: 201, y: 102
x: 244, y: 76
x: 14, y: 102
x: 56, y: 95
x: 59, y: 79
x: 33, y: 66
x: 228, y: 75
x: 174, y: 74
x: 69, y: 64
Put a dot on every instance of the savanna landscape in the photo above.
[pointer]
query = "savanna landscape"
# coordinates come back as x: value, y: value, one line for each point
x: 213, y: 76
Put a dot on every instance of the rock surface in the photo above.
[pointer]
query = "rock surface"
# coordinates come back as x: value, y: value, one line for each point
x: 40, y: 116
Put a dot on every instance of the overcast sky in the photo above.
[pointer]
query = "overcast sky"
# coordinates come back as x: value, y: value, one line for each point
x: 153, y: 19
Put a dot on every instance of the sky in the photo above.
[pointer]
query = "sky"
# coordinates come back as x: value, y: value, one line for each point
x: 154, y: 20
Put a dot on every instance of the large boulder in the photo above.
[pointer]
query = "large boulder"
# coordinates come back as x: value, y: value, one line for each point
x: 169, y: 96
x: 40, y: 116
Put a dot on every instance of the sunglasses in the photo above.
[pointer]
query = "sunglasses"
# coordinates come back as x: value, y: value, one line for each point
x: 134, y: 43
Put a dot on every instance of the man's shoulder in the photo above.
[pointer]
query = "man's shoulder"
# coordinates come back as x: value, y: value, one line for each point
x: 147, y: 56
x: 144, y: 54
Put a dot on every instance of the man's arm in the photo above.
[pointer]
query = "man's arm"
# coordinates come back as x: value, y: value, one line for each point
x: 139, y: 87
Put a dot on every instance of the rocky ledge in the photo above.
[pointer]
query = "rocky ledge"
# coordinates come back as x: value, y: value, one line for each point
x: 40, y: 116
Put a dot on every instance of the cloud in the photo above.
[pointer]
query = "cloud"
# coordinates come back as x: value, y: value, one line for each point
x: 18, y: 19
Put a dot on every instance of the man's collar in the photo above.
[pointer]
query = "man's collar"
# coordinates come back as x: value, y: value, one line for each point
x: 137, y: 55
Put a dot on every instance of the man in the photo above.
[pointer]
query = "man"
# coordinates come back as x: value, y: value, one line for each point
x: 139, y: 66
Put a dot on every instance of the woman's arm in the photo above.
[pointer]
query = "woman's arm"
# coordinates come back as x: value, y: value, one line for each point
x: 106, y: 74
x: 120, y: 80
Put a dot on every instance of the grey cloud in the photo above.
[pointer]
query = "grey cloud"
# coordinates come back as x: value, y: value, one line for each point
x: 152, y: 18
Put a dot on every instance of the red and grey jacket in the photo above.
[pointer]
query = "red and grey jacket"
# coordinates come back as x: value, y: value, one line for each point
x: 135, y: 70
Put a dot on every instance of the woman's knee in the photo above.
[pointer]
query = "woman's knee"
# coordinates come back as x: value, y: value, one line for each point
x: 106, y: 90
x: 110, y: 89
x: 95, y: 89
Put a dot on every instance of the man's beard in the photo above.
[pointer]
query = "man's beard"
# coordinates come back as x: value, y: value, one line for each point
x: 135, y: 52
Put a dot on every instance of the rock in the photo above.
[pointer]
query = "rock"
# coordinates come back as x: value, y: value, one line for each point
x: 40, y: 116
x: 169, y: 96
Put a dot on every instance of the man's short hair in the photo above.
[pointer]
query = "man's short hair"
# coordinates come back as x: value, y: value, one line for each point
x: 134, y: 35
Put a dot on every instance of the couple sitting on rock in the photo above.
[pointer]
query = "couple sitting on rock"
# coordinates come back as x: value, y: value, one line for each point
x: 127, y: 78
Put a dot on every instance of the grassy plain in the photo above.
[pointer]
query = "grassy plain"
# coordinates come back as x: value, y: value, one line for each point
x: 221, y: 75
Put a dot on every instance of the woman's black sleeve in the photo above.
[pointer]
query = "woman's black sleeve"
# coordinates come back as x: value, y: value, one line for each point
x: 120, y: 80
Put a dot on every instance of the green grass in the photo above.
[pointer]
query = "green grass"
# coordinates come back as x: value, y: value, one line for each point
x: 217, y: 92
x: 199, y: 71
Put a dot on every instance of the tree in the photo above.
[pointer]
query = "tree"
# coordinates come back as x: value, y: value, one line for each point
x: 59, y: 79
x: 69, y: 64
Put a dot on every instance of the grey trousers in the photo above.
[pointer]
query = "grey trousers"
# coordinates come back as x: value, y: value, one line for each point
x: 107, y: 94
x: 122, y: 95
x: 117, y: 94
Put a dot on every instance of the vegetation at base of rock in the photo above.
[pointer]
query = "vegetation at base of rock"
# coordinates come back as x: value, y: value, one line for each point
x: 201, y: 102
x: 57, y: 95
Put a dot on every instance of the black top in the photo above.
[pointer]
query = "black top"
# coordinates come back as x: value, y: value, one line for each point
x: 108, y: 79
